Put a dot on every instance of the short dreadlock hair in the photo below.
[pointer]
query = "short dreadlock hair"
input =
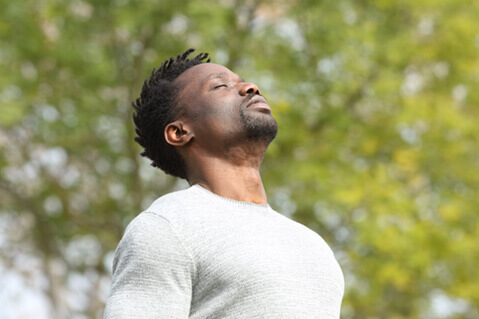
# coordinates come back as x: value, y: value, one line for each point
x: 155, y: 109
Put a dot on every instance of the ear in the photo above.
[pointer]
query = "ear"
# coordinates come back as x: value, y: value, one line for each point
x: 178, y: 134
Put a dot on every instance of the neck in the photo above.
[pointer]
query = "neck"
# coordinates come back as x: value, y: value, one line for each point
x: 240, y: 181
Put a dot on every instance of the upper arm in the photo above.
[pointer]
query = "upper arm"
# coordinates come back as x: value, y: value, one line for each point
x: 152, y: 273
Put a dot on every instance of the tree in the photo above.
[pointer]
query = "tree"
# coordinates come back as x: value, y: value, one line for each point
x: 377, y: 149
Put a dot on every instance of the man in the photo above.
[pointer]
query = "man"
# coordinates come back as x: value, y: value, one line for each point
x: 216, y: 249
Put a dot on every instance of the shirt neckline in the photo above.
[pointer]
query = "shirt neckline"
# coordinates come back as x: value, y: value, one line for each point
x: 249, y: 205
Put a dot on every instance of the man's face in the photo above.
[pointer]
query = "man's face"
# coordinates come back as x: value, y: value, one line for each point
x: 222, y: 108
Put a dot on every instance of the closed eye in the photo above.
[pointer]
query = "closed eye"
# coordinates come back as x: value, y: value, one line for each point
x: 221, y: 85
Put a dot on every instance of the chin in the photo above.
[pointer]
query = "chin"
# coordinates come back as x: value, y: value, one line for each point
x: 259, y: 127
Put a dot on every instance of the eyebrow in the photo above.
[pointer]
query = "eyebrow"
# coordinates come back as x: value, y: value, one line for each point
x: 221, y: 76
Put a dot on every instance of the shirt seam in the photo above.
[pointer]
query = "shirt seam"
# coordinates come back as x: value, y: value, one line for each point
x: 190, y: 255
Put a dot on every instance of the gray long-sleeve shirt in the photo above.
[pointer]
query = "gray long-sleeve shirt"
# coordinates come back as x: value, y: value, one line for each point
x: 194, y: 254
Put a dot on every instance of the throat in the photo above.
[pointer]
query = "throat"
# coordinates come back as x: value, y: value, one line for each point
x: 241, y: 183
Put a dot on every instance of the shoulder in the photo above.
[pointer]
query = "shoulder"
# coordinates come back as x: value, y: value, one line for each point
x: 144, y: 231
x: 149, y: 237
x: 172, y: 204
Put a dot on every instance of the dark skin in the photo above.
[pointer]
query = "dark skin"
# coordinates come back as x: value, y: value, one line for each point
x: 211, y: 136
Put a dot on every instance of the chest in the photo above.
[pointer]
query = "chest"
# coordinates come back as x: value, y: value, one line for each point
x: 261, y: 257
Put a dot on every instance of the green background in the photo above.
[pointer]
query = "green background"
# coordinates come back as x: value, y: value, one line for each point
x: 377, y: 151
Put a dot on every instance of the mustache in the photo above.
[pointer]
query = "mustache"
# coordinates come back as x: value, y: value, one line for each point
x: 250, y: 97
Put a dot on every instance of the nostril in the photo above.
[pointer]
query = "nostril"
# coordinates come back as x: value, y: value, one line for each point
x: 248, y: 89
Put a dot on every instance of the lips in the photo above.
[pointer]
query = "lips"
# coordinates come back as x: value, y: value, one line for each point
x: 258, y: 102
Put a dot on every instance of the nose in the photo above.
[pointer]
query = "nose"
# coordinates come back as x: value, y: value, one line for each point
x: 249, y: 88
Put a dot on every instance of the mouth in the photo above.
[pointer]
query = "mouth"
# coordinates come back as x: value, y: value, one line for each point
x: 258, y: 102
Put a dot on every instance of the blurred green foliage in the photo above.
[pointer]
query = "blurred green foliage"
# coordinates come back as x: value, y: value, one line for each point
x: 377, y: 103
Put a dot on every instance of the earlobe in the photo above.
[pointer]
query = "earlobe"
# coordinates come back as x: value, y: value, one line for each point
x: 178, y: 134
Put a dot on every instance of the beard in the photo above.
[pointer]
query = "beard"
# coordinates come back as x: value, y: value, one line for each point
x: 259, y: 127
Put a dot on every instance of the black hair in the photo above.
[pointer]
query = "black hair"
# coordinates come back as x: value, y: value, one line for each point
x: 155, y: 109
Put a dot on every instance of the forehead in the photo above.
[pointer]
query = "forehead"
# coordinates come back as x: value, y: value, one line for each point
x: 204, y: 72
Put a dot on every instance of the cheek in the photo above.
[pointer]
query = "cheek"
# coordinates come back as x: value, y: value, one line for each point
x: 221, y: 110
x: 216, y: 116
x: 220, y: 122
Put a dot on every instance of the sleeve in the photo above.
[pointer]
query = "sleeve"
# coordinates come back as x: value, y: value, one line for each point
x: 152, y: 272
